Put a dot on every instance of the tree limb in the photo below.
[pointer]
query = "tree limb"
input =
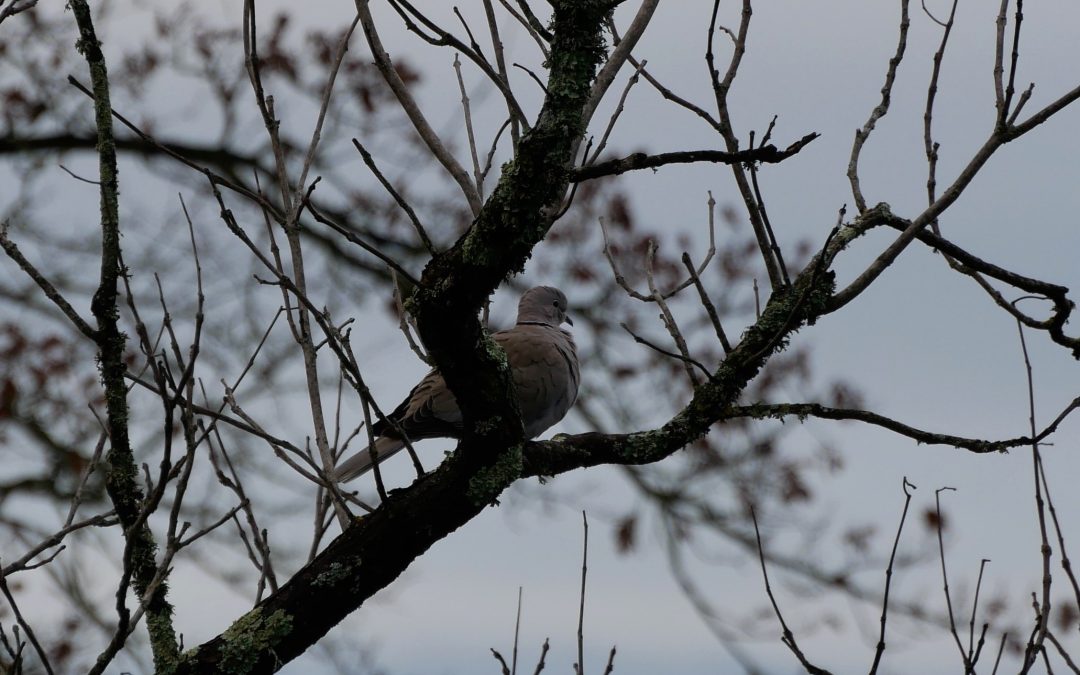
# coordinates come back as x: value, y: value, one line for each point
x: 639, y: 160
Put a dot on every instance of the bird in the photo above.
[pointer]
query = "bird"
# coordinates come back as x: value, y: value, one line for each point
x: 543, y: 365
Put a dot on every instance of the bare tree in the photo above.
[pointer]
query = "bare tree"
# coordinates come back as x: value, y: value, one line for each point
x: 175, y: 400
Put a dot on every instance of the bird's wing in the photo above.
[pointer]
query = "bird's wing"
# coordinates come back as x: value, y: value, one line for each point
x: 428, y: 411
x: 545, y: 369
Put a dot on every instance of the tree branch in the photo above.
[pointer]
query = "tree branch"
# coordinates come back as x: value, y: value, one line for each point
x: 121, y: 478
x: 639, y: 160
x: 803, y: 410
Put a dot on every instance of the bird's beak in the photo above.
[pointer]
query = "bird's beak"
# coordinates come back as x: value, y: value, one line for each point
x: 569, y: 320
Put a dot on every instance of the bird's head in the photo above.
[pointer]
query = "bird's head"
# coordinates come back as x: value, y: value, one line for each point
x: 543, y: 304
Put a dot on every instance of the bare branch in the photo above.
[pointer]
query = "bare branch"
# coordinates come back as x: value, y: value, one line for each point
x: 880, y: 649
x: 666, y: 316
x: 721, y: 88
x: 651, y: 297
x: 769, y: 154
x: 930, y: 147
x: 976, y: 267
x: 529, y: 27
x: 940, y: 523
x: 1042, y: 625
x: 973, y: 653
x: 619, y: 56
x: 55, y: 539
x: 444, y: 38
x: 44, y: 658
x: 579, y: 668
x: 478, y: 176
x: 354, y: 238
x: 335, y: 67
x: 405, y: 206
x: 688, y: 361
x: 615, y: 115
x: 50, y: 291
x: 15, y: 7
x: 500, y: 62
x: 710, y: 309
x: 412, y: 110
x: 669, y: 95
x: 879, y: 111
x: 801, y: 410
x: 788, y: 637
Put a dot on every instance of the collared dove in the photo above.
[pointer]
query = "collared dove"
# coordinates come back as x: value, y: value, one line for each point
x: 544, y: 367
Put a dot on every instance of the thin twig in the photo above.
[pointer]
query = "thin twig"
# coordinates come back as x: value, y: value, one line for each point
x: 788, y: 637
x: 619, y: 56
x: 404, y: 323
x: 500, y: 63
x: 405, y: 206
x: 324, y: 104
x: 888, y: 577
x: 1035, y: 643
x: 529, y: 27
x: 685, y: 359
x: 355, y: 239
x: 667, y: 318
x: 543, y: 654
x: 517, y: 632
x: 579, y: 668
x: 720, y: 88
x: 534, y: 76
x: 45, y: 663
x: 412, y: 110
x: 1018, y: 20
x: 615, y: 114
x: 1001, y: 650
x: 879, y: 111
x: 293, y: 206
x: 610, y: 667
x: 505, y: 669
x: 1063, y: 653
x: 13, y: 252
x: 478, y: 175
x: 16, y: 7
x: 929, y: 146
x: 760, y: 199
x: 107, y: 519
x: 706, y: 302
x: 625, y: 285
x: 972, y: 658
x: 494, y: 146
x: 945, y: 577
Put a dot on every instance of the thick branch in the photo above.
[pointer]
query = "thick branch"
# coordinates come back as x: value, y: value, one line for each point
x: 217, y: 155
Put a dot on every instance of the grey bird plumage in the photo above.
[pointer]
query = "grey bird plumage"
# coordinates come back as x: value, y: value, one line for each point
x: 544, y: 367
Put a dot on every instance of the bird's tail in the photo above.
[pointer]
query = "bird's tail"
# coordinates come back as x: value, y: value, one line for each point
x: 361, y: 462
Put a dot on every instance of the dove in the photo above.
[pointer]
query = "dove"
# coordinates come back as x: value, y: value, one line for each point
x: 543, y: 365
